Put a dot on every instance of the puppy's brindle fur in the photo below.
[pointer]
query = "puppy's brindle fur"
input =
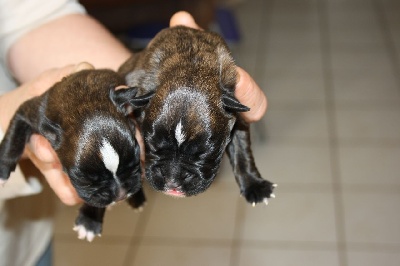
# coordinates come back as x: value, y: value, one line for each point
x: 84, y: 119
x: 192, y: 118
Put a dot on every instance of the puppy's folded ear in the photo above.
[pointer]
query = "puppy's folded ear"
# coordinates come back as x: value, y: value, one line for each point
x: 141, y: 101
x: 231, y: 104
x: 121, y: 97
x: 125, y: 100
x: 51, y: 131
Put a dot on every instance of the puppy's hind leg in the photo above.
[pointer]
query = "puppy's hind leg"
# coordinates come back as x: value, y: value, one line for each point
x: 137, y: 200
x: 252, y: 186
x: 89, y: 222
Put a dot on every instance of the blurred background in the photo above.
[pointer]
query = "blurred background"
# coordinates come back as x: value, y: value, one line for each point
x: 330, y: 139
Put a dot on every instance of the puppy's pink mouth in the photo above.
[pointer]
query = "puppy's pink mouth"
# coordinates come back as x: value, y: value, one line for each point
x: 175, y: 193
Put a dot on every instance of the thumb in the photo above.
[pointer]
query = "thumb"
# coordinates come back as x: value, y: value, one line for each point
x: 183, y: 18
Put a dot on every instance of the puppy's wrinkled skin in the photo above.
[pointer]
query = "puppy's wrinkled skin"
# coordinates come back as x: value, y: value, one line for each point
x: 192, y: 116
x: 84, y: 119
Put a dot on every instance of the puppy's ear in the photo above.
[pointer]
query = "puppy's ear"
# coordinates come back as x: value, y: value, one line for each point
x: 51, y: 131
x: 231, y: 104
x: 120, y: 98
x: 227, y: 69
x: 141, y: 101
x: 125, y: 100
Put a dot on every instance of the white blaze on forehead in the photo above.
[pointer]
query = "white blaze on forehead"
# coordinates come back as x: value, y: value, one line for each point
x: 179, y: 134
x: 110, y: 157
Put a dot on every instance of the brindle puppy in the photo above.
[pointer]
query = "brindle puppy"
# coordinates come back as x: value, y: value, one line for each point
x: 192, y: 117
x: 93, y: 139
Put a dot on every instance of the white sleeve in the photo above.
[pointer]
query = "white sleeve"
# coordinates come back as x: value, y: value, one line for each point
x: 20, y: 16
x: 17, y: 185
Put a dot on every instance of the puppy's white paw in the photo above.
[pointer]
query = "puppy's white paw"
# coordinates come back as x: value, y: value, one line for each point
x: 139, y: 209
x: 84, y: 233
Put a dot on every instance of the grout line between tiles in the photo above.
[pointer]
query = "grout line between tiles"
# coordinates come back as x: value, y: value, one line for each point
x: 326, y: 55
x: 137, y: 237
x: 262, y: 50
x: 387, y: 38
x: 236, y: 243
x: 266, y: 8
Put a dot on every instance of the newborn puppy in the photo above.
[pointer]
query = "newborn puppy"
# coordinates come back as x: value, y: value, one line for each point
x: 192, y: 118
x: 85, y: 120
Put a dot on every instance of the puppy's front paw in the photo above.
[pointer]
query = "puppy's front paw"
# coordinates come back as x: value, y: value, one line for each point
x: 137, y: 201
x: 2, y: 182
x: 259, y: 190
x: 5, y: 171
x: 87, y: 228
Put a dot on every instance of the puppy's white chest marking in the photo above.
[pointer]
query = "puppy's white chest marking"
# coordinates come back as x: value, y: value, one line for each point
x: 110, y: 157
x: 179, y: 134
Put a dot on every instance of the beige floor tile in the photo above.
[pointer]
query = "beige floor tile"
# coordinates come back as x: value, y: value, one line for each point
x: 372, y: 217
x: 287, y: 257
x: 369, y: 164
x: 210, y: 215
x: 379, y: 123
x: 87, y: 254
x: 360, y: 58
x: 359, y: 88
x: 290, y: 57
x: 301, y: 216
x: 293, y: 88
x: 373, y: 258
x: 296, y: 124
x: 288, y: 163
x: 158, y: 255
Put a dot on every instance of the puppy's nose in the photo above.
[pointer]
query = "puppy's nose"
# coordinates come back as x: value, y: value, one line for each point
x: 121, y: 194
x: 172, y: 188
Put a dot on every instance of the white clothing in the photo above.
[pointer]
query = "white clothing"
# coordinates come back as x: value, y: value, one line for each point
x: 25, y: 214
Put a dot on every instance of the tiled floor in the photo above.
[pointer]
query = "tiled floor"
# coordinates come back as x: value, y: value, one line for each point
x: 330, y: 139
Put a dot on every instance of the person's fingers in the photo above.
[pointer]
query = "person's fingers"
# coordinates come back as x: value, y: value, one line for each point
x: 140, y: 141
x: 183, y: 18
x: 57, y: 74
x: 56, y: 178
x: 48, y: 78
x: 42, y: 149
x: 249, y: 93
x: 62, y: 186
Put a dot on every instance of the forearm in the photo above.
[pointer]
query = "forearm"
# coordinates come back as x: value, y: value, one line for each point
x: 66, y: 40
x: 9, y: 103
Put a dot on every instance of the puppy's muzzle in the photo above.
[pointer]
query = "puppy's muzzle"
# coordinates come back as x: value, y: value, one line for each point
x: 173, y: 189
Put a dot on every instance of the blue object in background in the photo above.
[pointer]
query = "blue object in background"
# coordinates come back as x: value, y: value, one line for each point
x: 227, y: 24
x: 138, y: 37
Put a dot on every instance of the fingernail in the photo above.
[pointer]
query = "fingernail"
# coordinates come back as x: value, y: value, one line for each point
x: 83, y: 66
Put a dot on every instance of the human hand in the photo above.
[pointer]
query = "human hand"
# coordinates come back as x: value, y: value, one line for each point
x: 39, y: 149
x: 247, y: 91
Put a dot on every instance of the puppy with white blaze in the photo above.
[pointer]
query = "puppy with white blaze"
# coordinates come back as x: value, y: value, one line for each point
x: 192, y: 117
x: 86, y: 122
